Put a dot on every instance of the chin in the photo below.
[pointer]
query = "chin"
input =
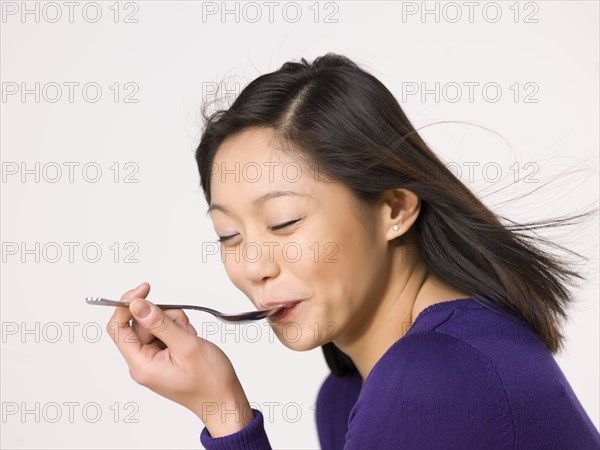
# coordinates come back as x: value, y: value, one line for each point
x: 300, y: 346
x: 296, y: 338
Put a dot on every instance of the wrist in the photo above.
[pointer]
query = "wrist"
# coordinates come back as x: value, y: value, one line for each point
x: 226, y: 414
x: 226, y: 417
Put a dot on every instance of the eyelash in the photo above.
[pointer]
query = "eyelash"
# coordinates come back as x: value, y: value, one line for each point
x: 275, y: 228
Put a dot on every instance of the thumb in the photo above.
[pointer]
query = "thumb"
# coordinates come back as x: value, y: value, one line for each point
x: 153, y: 319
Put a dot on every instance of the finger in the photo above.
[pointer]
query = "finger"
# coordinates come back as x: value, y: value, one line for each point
x: 143, y: 335
x: 178, y: 316
x: 157, y: 322
x: 119, y: 329
x: 122, y: 315
x: 146, y: 337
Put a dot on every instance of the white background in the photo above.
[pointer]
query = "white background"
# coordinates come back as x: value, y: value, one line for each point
x: 173, y: 56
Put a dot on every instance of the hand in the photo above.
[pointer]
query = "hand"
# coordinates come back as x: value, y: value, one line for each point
x: 165, y: 354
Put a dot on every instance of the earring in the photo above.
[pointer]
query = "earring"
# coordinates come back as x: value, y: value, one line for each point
x: 396, y: 227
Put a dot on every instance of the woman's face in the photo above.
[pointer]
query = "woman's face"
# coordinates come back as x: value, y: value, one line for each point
x: 330, y: 256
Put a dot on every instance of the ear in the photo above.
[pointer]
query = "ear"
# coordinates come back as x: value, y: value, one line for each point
x: 399, y: 209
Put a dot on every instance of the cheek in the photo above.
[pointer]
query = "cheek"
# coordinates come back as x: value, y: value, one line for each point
x: 340, y: 259
x: 348, y: 268
x: 333, y: 269
x: 235, y: 272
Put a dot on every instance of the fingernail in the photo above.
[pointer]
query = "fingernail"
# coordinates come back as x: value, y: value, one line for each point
x: 140, y: 308
x: 139, y: 286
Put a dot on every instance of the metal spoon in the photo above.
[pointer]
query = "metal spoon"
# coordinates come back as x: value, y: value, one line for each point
x: 241, y: 317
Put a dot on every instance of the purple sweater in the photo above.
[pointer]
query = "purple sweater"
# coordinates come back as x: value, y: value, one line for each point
x: 462, y: 377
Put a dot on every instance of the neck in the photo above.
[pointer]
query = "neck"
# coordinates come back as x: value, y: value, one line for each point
x: 406, y: 296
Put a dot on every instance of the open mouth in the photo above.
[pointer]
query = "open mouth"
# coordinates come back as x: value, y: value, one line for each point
x: 285, y: 312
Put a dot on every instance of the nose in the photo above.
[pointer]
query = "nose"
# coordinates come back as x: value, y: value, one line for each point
x: 260, y: 261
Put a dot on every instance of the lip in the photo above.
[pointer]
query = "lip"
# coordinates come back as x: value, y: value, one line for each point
x: 275, y: 303
x: 286, y: 312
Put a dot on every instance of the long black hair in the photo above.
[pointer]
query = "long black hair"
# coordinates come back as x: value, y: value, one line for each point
x: 348, y: 124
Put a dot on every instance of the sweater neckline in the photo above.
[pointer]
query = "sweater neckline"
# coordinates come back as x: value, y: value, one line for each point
x: 458, y: 302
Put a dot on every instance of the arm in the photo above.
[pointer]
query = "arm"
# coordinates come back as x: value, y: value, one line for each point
x: 165, y: 354
x: 335, y: 400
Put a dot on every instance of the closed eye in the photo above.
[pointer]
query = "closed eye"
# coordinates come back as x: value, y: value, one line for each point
x: 274, y: 228
x: 283, y: 225
x: 225, y: 238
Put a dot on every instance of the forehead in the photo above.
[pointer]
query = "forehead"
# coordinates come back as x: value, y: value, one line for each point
x: 254, y: 160
x: 253, y: 163
x: 248, y: 145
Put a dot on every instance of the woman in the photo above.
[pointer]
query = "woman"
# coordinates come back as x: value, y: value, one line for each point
x: 437, y: 321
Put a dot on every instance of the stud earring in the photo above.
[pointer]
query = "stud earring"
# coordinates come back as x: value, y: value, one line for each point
x: 396, y: 227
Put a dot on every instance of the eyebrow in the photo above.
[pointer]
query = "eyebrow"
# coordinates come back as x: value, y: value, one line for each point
x: 259, y: 200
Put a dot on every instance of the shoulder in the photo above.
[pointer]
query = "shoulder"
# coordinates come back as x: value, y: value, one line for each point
x: 432, y: 390
x: 431, y: 356
x: 433, y: 364
x: 435, y: 358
